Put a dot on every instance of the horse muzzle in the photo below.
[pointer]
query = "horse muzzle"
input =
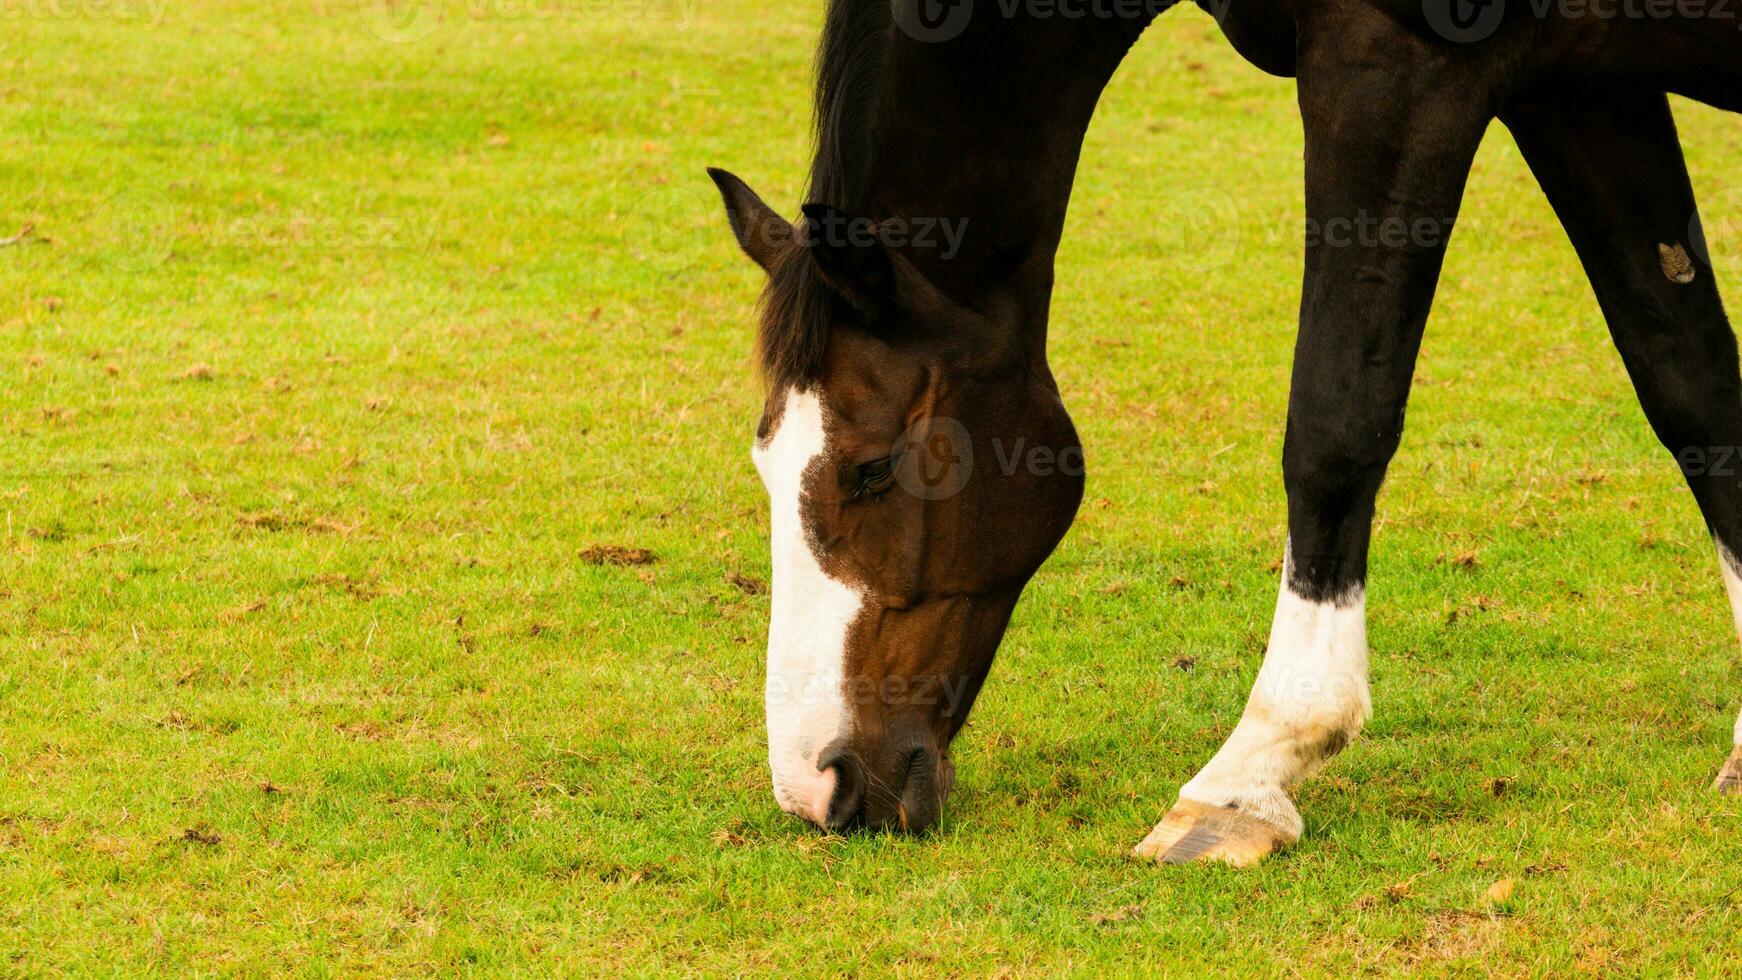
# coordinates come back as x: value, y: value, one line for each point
x: 897, y: 787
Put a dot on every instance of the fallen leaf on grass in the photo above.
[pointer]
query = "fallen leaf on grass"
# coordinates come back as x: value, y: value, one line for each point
x: 1500, y: 892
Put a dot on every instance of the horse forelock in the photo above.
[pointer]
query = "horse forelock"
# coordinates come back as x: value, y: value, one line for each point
x: 798, y: 306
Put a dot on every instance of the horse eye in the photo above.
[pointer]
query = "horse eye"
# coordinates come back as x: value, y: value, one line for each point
x: 875, y: 476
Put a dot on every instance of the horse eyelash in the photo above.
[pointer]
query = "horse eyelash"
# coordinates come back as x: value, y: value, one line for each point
x: 885, y: 476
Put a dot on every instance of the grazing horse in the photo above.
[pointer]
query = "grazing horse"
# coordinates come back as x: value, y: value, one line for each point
x: 918, y: 457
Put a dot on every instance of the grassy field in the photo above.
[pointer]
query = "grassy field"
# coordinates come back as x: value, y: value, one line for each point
x: 339, y: 343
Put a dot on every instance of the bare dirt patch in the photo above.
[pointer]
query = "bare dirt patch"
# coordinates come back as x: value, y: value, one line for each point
x: 611, y: 554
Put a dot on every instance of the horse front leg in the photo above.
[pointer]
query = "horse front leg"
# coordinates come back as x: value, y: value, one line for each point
x: 1392, y: 124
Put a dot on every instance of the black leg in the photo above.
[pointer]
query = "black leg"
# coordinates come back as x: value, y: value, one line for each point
x: 1616, y: 178
x: 1392, y: 124
x: 1385, y: 176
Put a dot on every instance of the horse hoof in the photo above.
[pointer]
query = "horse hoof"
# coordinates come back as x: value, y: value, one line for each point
x: 1730, y: 777
x: 1194, y: 831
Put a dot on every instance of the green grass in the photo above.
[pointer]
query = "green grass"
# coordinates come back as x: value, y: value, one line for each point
x: 333, y: 355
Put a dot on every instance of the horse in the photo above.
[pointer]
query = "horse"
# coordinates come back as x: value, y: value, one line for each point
x: 918, y: 457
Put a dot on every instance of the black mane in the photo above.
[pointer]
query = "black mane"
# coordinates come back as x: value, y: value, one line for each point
x: 797, y: 306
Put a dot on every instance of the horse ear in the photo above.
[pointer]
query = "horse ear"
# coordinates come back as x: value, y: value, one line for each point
x: 761, y: 233
x: 855, y: 263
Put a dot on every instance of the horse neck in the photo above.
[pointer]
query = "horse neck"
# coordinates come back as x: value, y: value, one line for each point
x: 986, y: 129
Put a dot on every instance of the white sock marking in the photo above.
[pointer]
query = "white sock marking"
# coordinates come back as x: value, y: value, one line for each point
x: 1310, y: 698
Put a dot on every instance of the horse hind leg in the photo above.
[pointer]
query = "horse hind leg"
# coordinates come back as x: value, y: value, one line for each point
x: 1616, y: 178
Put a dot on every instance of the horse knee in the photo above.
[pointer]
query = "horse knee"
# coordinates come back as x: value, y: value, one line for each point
x: 1690, y: 418
x: 1339, y: 466
x: 1686, y: 375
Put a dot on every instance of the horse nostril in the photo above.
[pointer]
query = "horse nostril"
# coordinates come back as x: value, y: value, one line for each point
x: 917, y: 791
x: 849, y: 794
x: 916, y: 765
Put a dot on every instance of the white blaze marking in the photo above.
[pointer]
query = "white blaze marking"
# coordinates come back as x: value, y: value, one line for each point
x: 807, y: 632
x: 1733, y: 584
x: 1310, y: 696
